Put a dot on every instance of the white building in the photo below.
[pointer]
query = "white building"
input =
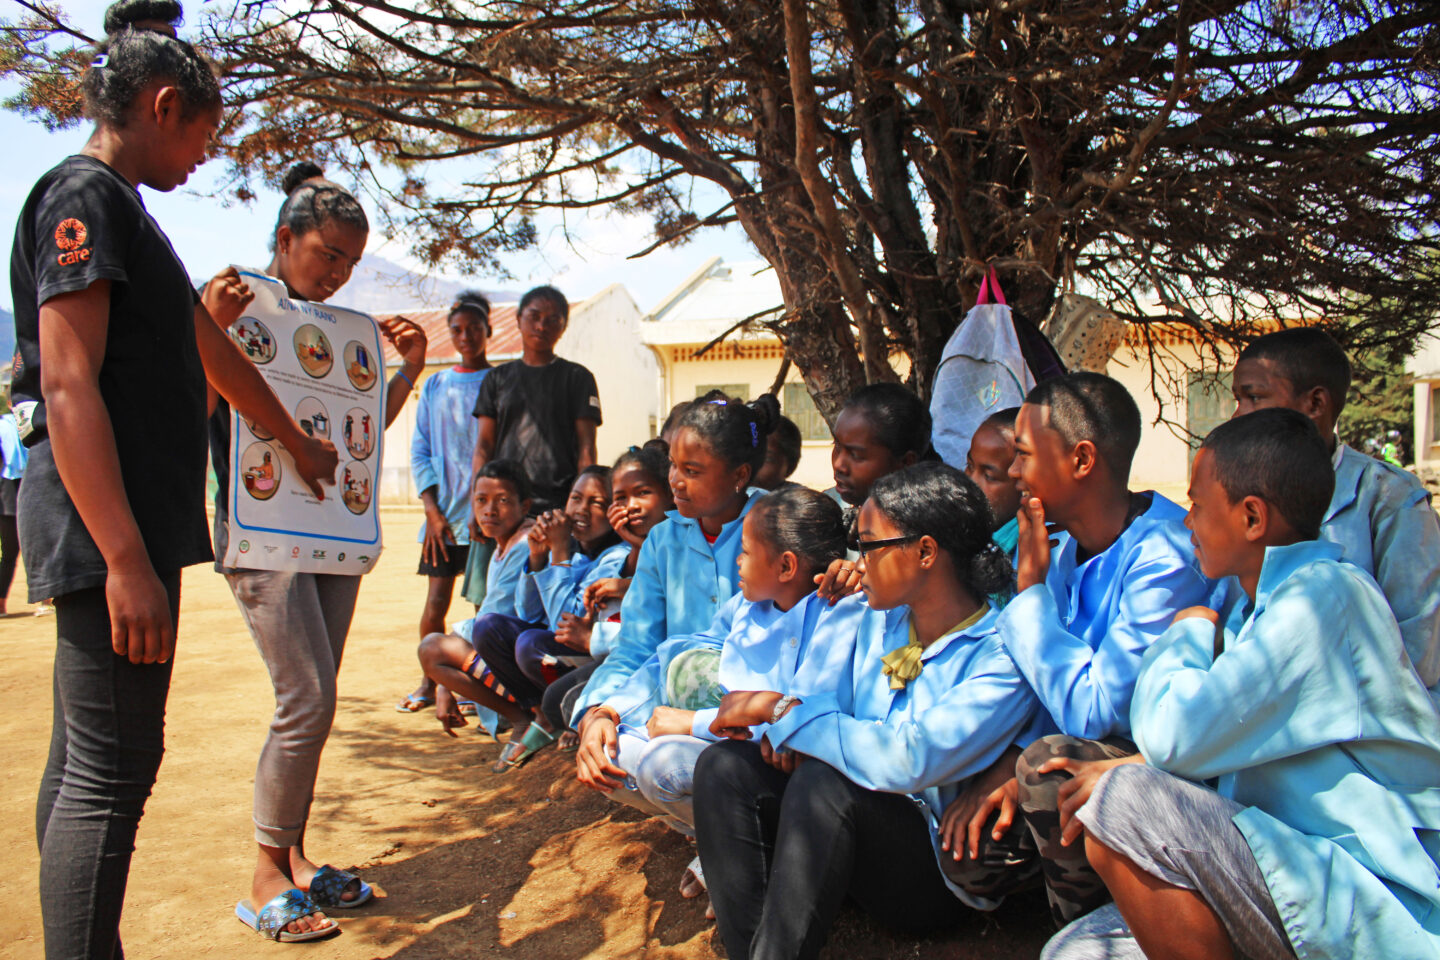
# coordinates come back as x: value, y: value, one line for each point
x: 1424, y: 366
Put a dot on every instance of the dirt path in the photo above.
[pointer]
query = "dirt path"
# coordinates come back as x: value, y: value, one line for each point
x: 528, y: 865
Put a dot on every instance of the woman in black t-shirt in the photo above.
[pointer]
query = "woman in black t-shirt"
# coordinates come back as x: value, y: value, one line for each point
x: 110, y: 391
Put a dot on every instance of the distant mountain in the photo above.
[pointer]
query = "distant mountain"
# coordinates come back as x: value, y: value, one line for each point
x: 380, y: 286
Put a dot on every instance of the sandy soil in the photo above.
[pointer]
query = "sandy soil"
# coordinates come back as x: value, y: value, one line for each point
x: 526, y: 865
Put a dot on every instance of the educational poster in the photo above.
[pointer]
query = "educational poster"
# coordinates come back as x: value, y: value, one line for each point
x: 325, y: 365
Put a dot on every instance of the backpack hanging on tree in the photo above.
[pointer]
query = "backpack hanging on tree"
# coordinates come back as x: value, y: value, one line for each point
x: 989, y: 363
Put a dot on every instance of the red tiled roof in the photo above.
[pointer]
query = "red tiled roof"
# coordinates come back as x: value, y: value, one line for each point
x: 504, y: 341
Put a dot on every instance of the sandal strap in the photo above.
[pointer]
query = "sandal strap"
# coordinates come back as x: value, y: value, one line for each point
x: 328, y: 885
x: 283, y: 910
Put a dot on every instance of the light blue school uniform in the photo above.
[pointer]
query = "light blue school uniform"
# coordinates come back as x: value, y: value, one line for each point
x: 806, y: 649
x: 948, y: 724
x: 557, y: 589
x: 443, y: 444
x: 1382, y: 520
x: 680, y: 581
x: 1079, y: 638
x: 1334, y: 753
x: 12, y: 451
x: 503, y: 581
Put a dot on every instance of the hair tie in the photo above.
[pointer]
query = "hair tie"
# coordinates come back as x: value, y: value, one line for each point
x: 754, y: 434
x: 723, y: 403
x: 634, y: 449
x: 100, y: 62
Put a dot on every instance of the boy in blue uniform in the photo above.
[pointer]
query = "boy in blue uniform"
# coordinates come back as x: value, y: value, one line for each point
x: 1380, y: 516
x: 1320, y: 839
x: 1086, y: 611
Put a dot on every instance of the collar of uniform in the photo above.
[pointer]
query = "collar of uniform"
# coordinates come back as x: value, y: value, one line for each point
x: 1281, y: 562
x: 1349, y: 468
x: 897, y: 625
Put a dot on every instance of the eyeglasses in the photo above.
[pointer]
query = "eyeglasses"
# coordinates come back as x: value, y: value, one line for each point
x: 866, y: 546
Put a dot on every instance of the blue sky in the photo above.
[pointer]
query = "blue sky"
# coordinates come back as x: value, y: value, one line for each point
x: 208, y: 234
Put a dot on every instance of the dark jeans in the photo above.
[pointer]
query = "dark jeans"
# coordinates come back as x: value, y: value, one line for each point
x: 105, y: 748
x: 512, y: 649
x: 781, y: 854
x: 560, y: 696
x: 9, y: 553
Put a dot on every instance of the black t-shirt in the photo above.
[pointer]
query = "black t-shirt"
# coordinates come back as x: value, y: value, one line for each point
x: 84, y: 222
x: 535, y: 409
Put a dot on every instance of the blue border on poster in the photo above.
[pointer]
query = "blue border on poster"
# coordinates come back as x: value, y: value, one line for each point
x: 235, y: 491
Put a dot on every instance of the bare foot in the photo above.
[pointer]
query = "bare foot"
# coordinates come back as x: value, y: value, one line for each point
x: 692, y: 881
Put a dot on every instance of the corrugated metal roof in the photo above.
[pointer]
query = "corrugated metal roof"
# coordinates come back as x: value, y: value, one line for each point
x: 504, y: 343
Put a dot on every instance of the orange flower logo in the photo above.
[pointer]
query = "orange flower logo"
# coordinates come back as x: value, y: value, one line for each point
x: 70, y: 235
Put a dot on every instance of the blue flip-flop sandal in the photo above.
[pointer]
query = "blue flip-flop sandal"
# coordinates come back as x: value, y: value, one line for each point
x: 276, y: 915
x: 328, y: 886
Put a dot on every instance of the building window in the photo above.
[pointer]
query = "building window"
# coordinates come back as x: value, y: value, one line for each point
x: 738, y: 390
x: 797, y: 404
x: 1208, y: 403
x: 1434, y: 417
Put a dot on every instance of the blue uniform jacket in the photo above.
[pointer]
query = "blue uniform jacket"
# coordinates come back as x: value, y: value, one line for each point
x: 1382, y: 520
x: 443, y: 443
x: 542, y: 597
x: 806, y: 649
x: 680, y: 581
x: 1313, y: 720
x: 950, y: 723
x: 1079, y: 638
x: 503, y: 581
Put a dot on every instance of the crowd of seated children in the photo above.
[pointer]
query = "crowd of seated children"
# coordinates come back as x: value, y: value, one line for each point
x: 500, y: 505
x: 1083, y: 616
x: 776, y: 630
x: 1297, y: 701
x: 686, y: 566
x: 941, y: 740
x: 590, y: 621
x: 568, y: 550
x: 931, y: 699
x: 1380, y: 516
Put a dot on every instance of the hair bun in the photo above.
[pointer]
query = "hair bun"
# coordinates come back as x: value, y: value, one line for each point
x: 298, y: 174
x: 127, y: 13
x: 766, y: 410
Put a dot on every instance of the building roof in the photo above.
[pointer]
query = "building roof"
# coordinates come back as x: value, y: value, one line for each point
x: 712, y: 300
x: 504, y: 341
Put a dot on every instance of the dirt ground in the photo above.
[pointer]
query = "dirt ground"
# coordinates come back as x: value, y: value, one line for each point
x: 466, y: 863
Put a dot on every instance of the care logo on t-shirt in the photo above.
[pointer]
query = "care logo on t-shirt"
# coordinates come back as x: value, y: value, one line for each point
x: 70, y: 237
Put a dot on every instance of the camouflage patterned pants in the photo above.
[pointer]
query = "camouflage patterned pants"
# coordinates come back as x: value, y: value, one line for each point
x: 1074, y: 889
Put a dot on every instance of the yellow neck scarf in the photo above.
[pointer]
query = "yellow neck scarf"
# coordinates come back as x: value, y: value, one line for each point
x: 903, y: 664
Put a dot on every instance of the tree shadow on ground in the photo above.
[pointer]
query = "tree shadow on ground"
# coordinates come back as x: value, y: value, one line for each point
x: 531, y: 864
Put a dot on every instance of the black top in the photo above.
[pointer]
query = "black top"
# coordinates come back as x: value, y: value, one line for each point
x: 84, y: 222
x: 535, y: 409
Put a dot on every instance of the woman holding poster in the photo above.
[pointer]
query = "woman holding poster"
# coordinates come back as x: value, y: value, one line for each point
x: 299, y: 620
